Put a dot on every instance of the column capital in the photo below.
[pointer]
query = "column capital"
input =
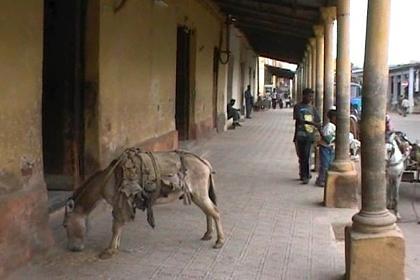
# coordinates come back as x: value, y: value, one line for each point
x: 312, y: 42
x: 328, y: 14
x: 319, y: 31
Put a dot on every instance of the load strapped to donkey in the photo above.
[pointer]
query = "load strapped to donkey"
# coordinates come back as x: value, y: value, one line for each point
x: 139, y: 180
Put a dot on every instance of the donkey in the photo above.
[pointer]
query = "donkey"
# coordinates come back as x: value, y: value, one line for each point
x: 395, y: 165
x: 170, y: 175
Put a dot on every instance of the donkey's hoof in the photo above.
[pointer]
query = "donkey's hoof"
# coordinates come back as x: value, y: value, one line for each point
x: 219, y: 244
x: 107, y: 254
x: 206, y: 236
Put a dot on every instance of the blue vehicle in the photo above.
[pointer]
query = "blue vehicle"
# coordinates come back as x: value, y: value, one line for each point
x: 356, y: 96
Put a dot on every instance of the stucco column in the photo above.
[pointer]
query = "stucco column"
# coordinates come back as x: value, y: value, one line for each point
x: 417, y: 88
x: 305, y: 69
x: 328, y: 16
x: 310, y: 69
x: 342, y: 160
x: 342, y: 180
x: 312, y: 43
x: 319, y: 96
x: 374, y: 246
x: 395, y: 92
x: 299, y: 83
x: 411, y: 88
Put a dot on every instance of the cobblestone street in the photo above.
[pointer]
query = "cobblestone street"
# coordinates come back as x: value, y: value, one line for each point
x: 275, y: 227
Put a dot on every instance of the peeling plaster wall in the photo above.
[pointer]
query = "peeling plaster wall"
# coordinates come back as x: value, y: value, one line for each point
x: 20, y: 90
x: 23, y: 208
x: 137, y: 55
x: 245, y: 56
x: 137, y: 66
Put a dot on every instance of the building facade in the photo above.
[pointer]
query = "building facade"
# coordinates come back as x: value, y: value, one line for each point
x: 83, y: 80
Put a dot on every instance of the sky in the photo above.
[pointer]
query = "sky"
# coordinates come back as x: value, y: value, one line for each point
x: 404, y: 41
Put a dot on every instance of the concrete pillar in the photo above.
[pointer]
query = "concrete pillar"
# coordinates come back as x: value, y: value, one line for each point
x: 342, y: 180
x: 310, y: 65
x: 411, y: 88
x: 417, y: 87
x: 402, y: 88
x: 328, y: 16
x: 319, y: 93
x: 312, y: 43
x: 305, y: 69
x: 375, y: 246
x: 296, y: 98
x: 395, y: 92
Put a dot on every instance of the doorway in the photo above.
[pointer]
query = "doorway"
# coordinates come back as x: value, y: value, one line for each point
x: 183, y: 85
x: 215, y: 84
x: 63, y: 98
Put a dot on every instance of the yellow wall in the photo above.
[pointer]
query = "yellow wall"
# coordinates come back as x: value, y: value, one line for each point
x: 20, y: 91
x: 137, y: 69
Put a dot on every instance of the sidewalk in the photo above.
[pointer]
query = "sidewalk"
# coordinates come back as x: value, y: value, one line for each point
x: 275, y: 227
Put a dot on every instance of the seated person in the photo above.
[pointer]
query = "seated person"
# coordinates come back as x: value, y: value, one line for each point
x: 233, y: 113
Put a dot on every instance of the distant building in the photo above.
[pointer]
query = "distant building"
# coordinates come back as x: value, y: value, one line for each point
x: 403, y: 82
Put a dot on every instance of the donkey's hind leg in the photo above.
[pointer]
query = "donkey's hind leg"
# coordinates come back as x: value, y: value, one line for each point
x: 209, y: 232
x: 114, y: 245
x: 211, y: 211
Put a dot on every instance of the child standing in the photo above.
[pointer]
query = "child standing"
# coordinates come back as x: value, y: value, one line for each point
x: 326, y: 147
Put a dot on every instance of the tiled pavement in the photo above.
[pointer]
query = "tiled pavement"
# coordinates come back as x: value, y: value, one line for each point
x: 275, y: 228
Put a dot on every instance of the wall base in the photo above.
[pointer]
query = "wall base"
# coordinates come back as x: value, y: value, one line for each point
x: 374, y: 256
x: 341, y: 189
x: 221, y: 123
x: 202, y: 129
x: 24, y: 230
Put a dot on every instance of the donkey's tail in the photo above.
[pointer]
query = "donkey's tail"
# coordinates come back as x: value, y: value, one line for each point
x: 212, y: 193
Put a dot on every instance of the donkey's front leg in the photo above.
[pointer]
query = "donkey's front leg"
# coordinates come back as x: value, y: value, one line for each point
x: 114, y: 245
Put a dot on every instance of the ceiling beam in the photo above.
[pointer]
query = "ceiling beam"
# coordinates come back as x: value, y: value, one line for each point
x: 277, y: 8
x: 245, y: 12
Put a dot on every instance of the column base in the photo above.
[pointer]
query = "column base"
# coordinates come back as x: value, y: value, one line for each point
x: 341, y: 189
x: 371, y: 256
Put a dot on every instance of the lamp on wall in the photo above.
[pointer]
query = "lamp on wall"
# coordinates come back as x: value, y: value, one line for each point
x: 161, y: 3
x: 118, y: 4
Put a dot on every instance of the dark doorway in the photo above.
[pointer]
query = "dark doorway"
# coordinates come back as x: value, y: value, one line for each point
x: 215, y: 84
x: 62, y: 100
x: 182, y: 113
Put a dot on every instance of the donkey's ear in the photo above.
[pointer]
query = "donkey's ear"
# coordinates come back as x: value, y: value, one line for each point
x: 70, y: 205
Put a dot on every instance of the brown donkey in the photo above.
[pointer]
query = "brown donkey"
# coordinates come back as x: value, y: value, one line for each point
x: 140, y: 180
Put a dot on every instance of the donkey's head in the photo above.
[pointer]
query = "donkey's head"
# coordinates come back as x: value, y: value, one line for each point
x: 75, y: 223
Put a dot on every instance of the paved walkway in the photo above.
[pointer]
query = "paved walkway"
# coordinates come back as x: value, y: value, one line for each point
x: 275, y: 228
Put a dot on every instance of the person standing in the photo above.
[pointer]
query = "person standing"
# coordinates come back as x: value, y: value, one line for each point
x: 274, y: 98
x: 307, y: 121
x: 405, y: 105
x: 249, y: 102
x: 326, y: 147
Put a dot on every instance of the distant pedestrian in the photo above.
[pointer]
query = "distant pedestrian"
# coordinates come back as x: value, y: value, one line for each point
x: 249, y: 102
x: 405, y: 105
x: 274, y: 98
x: 307, y: 121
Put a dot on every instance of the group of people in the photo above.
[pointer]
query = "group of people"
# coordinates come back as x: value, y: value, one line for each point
x: 308, y: 130
x: 282, y: 99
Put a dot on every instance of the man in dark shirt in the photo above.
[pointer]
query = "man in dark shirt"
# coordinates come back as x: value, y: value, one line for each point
x: 249, y: 102
x: 306, y: 125
x: 233, y: 113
